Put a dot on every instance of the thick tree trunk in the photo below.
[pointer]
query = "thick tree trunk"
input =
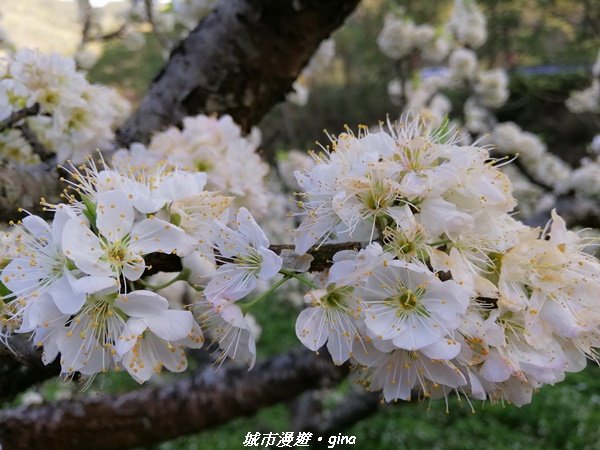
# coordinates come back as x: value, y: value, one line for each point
x: 241, y: 60
x: 149, y: 415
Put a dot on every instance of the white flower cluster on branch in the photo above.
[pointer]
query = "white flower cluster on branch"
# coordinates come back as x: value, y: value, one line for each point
x: 452, y: 292
x: 78, y: 283
x: 214, y: 146
x: 73, y: 117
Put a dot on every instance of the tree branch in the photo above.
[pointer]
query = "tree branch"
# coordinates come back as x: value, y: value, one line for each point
x: 241, y: 60
x: 19, y: 115
x: 322, y: 257
x: 149, y: 415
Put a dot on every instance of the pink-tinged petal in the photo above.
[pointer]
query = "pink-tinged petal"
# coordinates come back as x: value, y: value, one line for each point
x: 156, y: 235
x: 270, y: 264
x: 84, y: 248
x: 311, y: 328
x: 131, y: 332
x: 114, y: 215
x: 141, y: 303
x: 249, y: 228
x: 171, y: 325
x: 37, y: 226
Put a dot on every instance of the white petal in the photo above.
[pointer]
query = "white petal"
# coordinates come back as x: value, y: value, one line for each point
x: 114, y: 215
x: 92, y: 283
x: 270, y: 264
x: 249, y: 228
x: 131, y: 332
x: 311, y: 328
x: 134, y: 267
x: 63, y: 214
x: 84, y: 248
x: 155, y: 235
x: 442, y: 349
x: 494, y: 368
x: 66, y: 298
x: 171, y: 325
x: 141, y: 303
x: 37, y: 226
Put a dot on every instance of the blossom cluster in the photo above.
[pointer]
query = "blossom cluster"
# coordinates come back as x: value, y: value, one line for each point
x: 74, y: 118
x: 78, y: 284
x: 464, y: 32
x: 450, y: 292
x: 588, y: 99
x: 215, y: 146
x: 400, y: 37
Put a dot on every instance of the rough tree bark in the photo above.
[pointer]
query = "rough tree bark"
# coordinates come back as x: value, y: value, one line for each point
x: 205, y: 400
x: 241, y: 60
x: 251, y: 53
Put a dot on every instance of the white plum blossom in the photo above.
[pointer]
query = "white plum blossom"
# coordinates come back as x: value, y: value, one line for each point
x: 75, y: 117
x: 229, y: 328
x: 116, y: 253
x: 408, y: 305
x: 154, y: 336
x: 245, y: 255
x: 332, y: 317
x: 215, y: 147
x: 468, y: 24
x: 41, y: 267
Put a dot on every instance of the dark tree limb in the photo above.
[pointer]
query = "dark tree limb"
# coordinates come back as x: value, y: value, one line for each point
x: 21, y: 367
x: 149, y: 415
x: 322, y: 257
x: 309, y: 413
x: 32, y: 139
x: 241, y: 60
x: 23, y: 186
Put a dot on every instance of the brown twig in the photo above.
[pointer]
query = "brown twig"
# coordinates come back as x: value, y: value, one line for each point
x: 19, y: 115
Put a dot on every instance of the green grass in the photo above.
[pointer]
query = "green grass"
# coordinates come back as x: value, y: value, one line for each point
x: 130, y: 71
